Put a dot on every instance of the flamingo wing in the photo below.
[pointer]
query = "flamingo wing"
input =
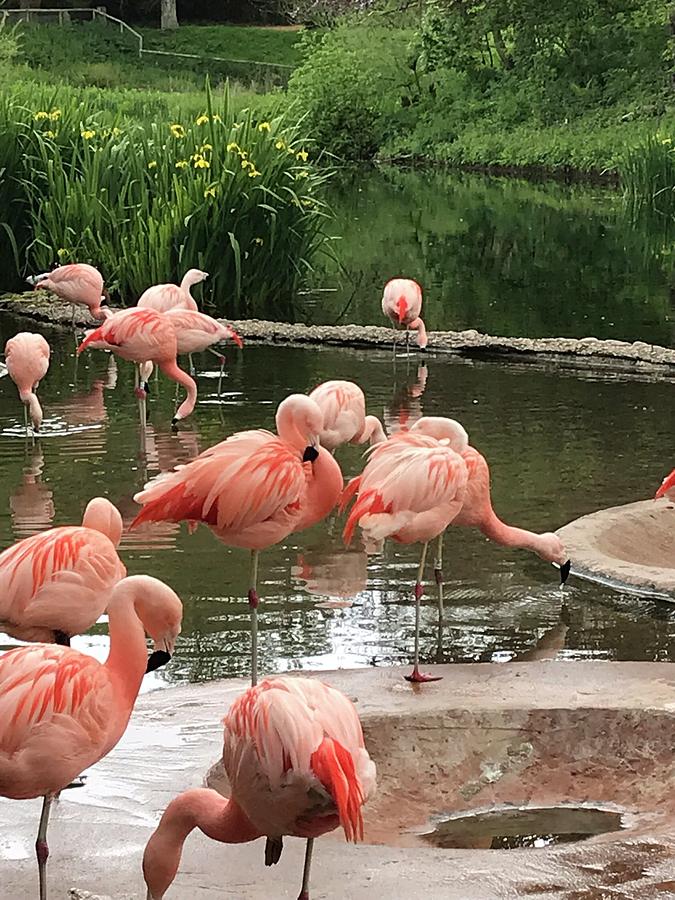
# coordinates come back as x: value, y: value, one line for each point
x: 163, y: 297
x: 59, y: 579
x: 132, y: 333
x: 241, y: 482
x: 344, y: 411
x: 75, y: 283
x: 196, y: 331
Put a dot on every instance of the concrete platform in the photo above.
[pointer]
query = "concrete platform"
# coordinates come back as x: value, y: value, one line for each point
x: 631, y: 547
x: 535, y: 734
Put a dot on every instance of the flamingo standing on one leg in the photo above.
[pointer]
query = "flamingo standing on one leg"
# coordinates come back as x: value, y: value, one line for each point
x: 297, y: 765
x: 79, y: 284
x: 343, y: 405
x: 402, y: 304
x: 62, y: 711
x: 57, y: 583
x: 27, y: 358
x: 253, y: 489
x: 410, y: 490
x: 142, y: 335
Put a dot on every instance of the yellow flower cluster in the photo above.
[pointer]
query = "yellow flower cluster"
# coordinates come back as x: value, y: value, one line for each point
x: 259, y: 241
x: 203, y: 119
x: 302, y: 155
x: 210, y: 191
x: 264, y: 126
x: 111, y: 132
x: 182, y: 164
x: 49, y: 134
x: 88, y: 134
x: 61, y: 252
x: 152, y: 164
x: 177, y: 131
x: 246, y: 163
x: 52, y: 116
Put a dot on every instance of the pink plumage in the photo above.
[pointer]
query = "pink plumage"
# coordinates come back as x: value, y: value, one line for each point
x: 196, y: 331
x: 57, y: 583
x: 666, y: 488
x: 343, y: 405
x: 144, y: 335
x: 78, y: 283
x: 297, y: 765
x: 402, y: 304
x: 27, y: 358
x: 163, y: 297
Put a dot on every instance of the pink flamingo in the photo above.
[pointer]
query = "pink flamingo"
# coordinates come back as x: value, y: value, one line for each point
x: 79, y: 284
x: 62, y: 711
x: 163, y: 297
x: 343, y: 405
x: 666, y: 489
x: 27, y: 358
x: 477, y: 510
x: 402, y: 304
x: 141, y: 335
x: 410, y: 490
x: 253, y: 489
x: 57, y: 583
x: 297, y: 765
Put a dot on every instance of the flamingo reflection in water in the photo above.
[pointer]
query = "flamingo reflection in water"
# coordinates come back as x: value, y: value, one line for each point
x: 406, y: 405
x: 31, y: 503
x: 335, y: 574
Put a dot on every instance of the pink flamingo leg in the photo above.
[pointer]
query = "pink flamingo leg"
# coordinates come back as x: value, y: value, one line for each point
x: 41, y: 847
x: 417, y: 676
x: 304, y: 890
x: 253, y: 601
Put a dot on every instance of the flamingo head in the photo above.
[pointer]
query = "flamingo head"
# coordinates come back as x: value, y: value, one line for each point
x: 667, y: 485
x: 442, y: 428
x: 160, y: 610
x: 194, y: 276
x: 300, y: 422
x: 551, y: 548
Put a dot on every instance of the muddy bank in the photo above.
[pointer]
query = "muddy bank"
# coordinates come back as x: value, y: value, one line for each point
x: 638, y: 356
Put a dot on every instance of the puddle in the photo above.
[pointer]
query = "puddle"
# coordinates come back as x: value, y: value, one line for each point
x: 514, y: 828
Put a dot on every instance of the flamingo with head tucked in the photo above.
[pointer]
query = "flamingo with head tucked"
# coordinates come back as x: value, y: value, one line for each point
x: 402, y: 304
x: 253, y: 489
x: 27, y: 358
x: 163, y: 297
x: 79, y: 284
x: 142, y: 335
x: 61, y: 711
x: 57, y: 583
x: 343, y: 405
x: 297, y: 765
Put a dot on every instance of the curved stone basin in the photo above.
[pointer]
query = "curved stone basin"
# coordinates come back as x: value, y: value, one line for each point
x: 631, y: 547
x: 532, y: 734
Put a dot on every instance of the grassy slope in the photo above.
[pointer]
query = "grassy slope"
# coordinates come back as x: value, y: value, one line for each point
x: 269, y: 45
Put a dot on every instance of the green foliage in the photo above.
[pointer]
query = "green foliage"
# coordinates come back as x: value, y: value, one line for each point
x: 355, y: 87
x: 648, y: 175
x: 221, y: 190
x: 272, y: 45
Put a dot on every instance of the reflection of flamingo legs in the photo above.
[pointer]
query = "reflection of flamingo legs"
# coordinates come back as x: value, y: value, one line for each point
x: 221, y: 360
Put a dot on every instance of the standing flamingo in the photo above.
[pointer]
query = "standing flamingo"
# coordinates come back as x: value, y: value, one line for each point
x: 79, y: 284
x: 62, y: 711
x: 343, y: 405
x: 297, y: 765
x: 253, y: 489
x: 57, y: 583
x: 141, y: 335
x: 410, y: 490
x: 27, y: 358
x: 163, y: 297
x: 402, y: 304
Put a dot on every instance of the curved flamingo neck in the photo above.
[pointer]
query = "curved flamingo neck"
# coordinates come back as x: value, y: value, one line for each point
x: 324, y: 488
x: 509, y: 535
x: 173, y: 371
x: 288, y: 430
x: 128, y: 656
x: 188, y: 282
x: 34, y: 408
x: 372, y: 431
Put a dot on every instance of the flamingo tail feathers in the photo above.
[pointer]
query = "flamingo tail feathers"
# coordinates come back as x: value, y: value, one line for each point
x: 170, y: 506
x: 333, y: 765
x: 368, y: 503
x: 95, y: 335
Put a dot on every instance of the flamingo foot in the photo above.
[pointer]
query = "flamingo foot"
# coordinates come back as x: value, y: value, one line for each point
x: 417, y: 677
x: 140, y: 393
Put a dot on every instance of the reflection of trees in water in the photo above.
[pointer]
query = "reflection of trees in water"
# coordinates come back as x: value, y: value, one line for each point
x: 505, y: 256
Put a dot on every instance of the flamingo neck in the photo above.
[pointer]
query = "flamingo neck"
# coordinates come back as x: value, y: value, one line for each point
x: 220, y: 819
x: 511, y: 536
x: 128, y: 656
x: 34, y: 409
x: 185, y: 285
x: 419, y: 326
x: 173, y: 371
x: 324, y: 488
x: 372, y: 431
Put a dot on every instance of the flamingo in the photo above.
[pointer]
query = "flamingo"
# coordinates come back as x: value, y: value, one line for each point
x: 666, y: 488
x: 57, y: 583
x: 402, y: 304
x: 253, y: 489
x: 79, y: 284
x: 163, y: 297
x: 477, y: 510
x: 410, y: 490
x: 297, y: 765
x: 343, y: 405
x: 62, y: 711
x: 142, y: 335
x: 27, y: 358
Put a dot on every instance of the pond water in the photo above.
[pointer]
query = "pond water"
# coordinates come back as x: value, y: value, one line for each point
x: 502, y: 255
x: 560, y: 444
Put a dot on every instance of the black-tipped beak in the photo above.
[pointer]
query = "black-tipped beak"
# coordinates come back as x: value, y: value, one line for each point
x: 565, y: 571
x: 157, y: 659
x: 146, y: 387
x: 310, y: 455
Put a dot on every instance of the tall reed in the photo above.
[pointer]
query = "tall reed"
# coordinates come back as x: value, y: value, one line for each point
x: 647, y: 173
x: 222, y: 191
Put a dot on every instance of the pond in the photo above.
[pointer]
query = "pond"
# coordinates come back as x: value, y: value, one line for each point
x: 502, y: 255
x: 560, y: 444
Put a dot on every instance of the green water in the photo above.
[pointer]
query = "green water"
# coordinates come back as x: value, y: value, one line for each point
x: 560, y: 444
x: 502, y: 255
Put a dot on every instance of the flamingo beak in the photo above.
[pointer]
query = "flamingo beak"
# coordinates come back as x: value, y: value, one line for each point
x: 311, y: 454
x: 157, y: 659
x: 565, y: 571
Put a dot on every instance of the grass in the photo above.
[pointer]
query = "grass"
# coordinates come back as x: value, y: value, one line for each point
x: 269, y: 45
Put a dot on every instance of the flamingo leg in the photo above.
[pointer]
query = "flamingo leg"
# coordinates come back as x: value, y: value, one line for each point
x: 72, y: 322
x: 253, y: 601
x: 304, y: 890
x: 41, y: 847
x: 192, y: 365
x: 221, y: 360
x: 438, y: 574
x: 25, y: 418
x: 416, y: 675
x: 407, y: 340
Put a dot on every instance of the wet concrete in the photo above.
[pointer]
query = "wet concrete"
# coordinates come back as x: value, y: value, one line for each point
x: 531, y: 734
x: 631, y: 547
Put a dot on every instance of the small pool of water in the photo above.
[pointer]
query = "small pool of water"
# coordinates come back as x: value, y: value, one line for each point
x: 560, y: 444
x: 522, y: 828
